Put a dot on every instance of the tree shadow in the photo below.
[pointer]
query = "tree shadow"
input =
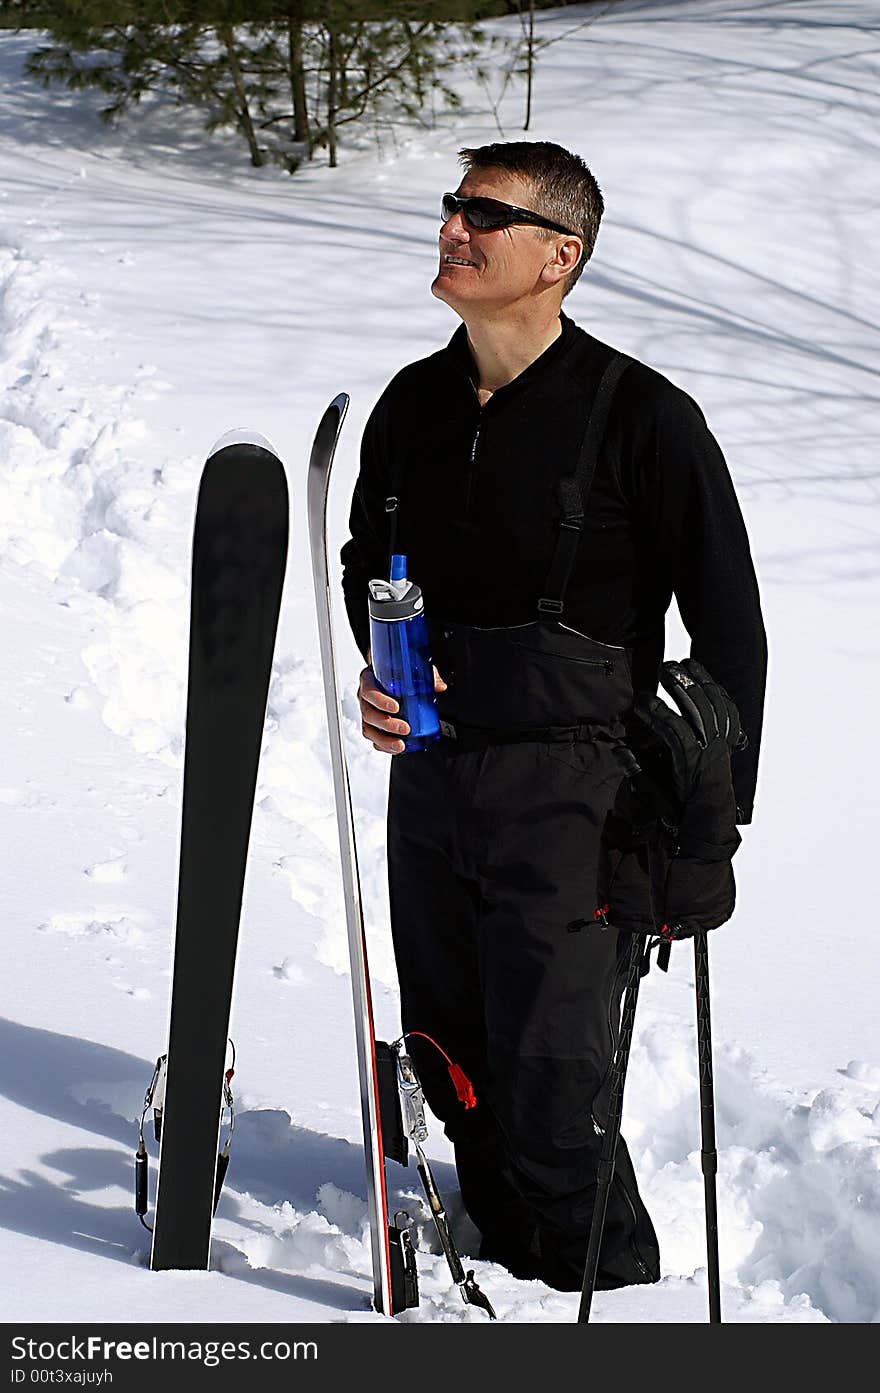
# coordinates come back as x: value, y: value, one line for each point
x: 40, y: 1208
x: 99, y: 1089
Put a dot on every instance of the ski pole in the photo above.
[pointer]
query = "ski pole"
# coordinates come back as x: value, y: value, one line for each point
x: 411, y: 1102
x: 612, y: 1126
x: 708, y: 1151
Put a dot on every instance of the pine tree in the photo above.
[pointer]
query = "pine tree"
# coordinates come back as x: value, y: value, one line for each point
x: 287, y: 75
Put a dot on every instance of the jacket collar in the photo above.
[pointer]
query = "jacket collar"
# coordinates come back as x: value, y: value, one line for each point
x: 460, y: 358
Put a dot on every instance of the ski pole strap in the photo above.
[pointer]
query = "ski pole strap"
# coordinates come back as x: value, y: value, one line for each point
x: 663, y: 943
x: 574, y: 490
x: 464, y: 1089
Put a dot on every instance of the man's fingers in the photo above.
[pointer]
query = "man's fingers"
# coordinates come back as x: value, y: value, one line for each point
x: 666, y: 724
x: 379, y: 721
x: 384, y: 730
x: 385, y: 738
x: 726, y: 713
x: 376, y: 724
x: 370, y: 691
x: 695, y: 704
x: 396, y: 749
x: 715, y: 695
x: 673, y: 731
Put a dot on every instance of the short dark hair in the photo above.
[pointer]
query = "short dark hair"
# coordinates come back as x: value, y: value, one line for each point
x: 565, y: 189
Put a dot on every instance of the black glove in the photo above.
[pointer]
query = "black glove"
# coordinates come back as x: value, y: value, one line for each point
x: 623, y: 881
x: 684, y: 778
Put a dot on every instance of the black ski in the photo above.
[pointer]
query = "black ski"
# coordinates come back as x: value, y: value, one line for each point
x: 238, y: 563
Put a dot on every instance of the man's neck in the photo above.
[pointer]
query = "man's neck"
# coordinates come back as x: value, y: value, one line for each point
x: 503, y: 348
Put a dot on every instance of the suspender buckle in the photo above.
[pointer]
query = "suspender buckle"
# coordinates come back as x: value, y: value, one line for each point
x: 549, y: 606
x: 448, y: 730
x: 391, y: 503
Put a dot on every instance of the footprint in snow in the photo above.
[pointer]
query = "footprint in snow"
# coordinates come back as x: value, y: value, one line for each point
x: 289, y: 971
x: 29, y: 797
x: 118, y: 930
x: 107, y: 872
x: 136, y: 993
x: 79, y: 698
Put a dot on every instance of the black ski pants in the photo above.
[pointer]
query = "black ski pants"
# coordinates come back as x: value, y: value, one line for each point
x: 493, y: 859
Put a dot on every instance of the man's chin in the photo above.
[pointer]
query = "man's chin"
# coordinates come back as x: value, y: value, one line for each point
x: 442, y: 290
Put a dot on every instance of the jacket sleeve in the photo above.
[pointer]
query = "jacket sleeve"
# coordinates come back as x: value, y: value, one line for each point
x: 688, y: 499
x: 365, y: 555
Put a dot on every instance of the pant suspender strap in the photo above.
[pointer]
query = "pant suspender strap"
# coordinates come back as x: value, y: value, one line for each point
x: 574, y: 491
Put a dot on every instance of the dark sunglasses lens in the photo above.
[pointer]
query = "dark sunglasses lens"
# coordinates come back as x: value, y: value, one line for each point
x: 481, y: 213
x: 486, y: 213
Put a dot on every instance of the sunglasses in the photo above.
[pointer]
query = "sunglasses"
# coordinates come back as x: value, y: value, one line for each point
x: 488, y: 214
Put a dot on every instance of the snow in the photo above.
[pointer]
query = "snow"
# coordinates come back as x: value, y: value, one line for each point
x: 156, y: 293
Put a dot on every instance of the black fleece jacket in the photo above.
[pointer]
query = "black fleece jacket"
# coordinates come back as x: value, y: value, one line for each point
x: 478, y: 514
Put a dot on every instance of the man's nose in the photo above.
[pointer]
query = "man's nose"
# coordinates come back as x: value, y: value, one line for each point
x: 455, y: 229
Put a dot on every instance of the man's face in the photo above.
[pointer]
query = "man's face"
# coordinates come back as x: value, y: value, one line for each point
x: 501, y: 267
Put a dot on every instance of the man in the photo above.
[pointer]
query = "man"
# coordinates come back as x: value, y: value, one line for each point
x: 548, y: 543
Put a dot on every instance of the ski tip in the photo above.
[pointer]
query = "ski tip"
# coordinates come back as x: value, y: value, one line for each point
x: 334, y: 416
x: 242, y: 436
x: 327, y: 436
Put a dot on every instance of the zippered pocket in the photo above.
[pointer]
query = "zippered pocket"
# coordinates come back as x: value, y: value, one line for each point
x: 556, y: 641
x: 556, y: 654
x: 612, y: 1035
x: 633, y: 1245
x: 606, y: 663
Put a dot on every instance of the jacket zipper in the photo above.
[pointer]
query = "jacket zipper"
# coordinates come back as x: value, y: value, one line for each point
x: 471, y: 471
x: 473, y: 454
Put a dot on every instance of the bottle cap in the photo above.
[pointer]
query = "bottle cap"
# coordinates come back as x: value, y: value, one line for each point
x: 395, y: 599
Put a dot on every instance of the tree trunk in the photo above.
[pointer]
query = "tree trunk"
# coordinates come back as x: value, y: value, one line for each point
x: 530, y: 63
x: 332, y: 89
x: 226, y: 35
x: 414, y: 64
x: 301, y: 131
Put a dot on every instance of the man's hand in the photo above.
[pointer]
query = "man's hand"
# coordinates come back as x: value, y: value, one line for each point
x: 379, y: 721
x: 687, y: 758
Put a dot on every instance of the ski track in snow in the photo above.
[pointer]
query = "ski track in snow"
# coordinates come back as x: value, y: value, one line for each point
x: 82, y: 504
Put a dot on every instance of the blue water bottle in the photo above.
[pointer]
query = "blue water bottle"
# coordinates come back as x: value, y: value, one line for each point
x: 401, y: 654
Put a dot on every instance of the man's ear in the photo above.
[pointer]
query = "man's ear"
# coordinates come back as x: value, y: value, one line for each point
x: 566, y: 257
